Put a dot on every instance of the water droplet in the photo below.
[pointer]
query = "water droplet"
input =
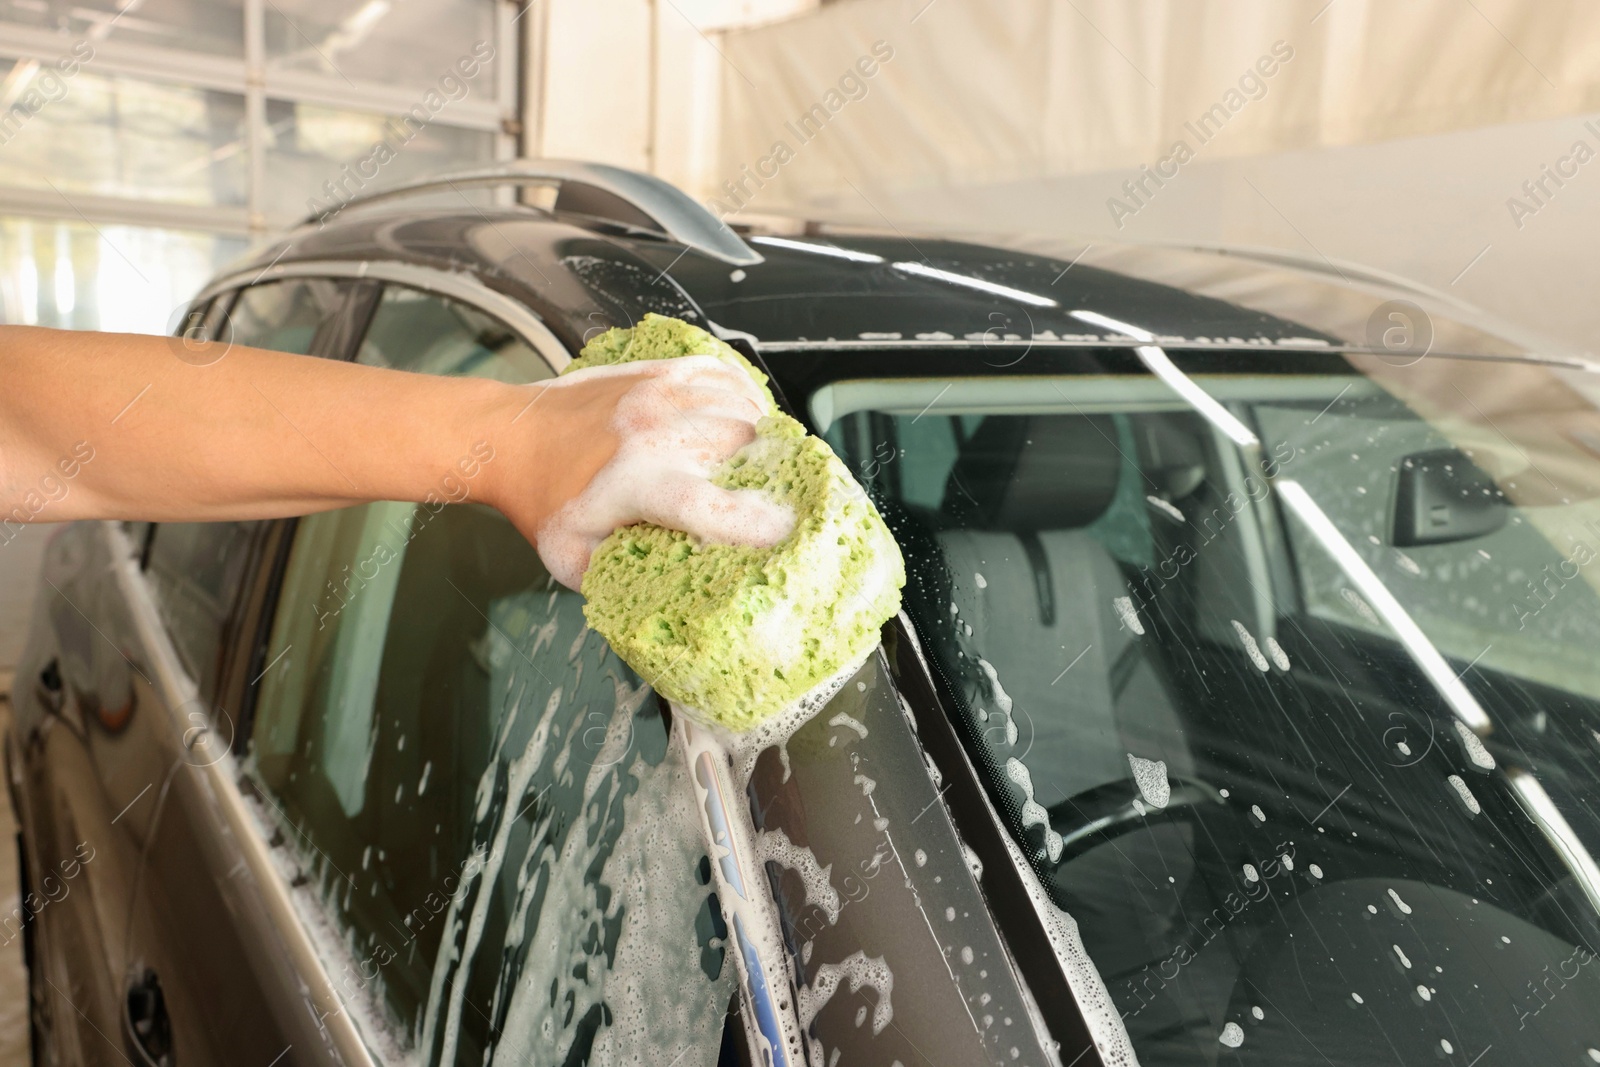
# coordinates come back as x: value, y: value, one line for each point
x: 1422, y: 991
x: 1125, y: 612
x: 1357, y: 998
x: 1447, y: 1046
x: 1316, y: 872
x: 1151, y: 778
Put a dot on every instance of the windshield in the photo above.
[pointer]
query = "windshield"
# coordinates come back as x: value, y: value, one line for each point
x: 1286, y: 685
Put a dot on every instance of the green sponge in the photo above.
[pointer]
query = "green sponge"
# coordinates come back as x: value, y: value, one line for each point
x: 731, y: 633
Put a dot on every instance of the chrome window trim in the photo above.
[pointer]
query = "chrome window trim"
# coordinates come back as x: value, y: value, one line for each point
x: 764, y: 965
x: 1019, y: 347
x: 458, y: 285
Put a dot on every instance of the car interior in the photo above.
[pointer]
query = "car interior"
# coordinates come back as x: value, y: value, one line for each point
x: 1106, y: 591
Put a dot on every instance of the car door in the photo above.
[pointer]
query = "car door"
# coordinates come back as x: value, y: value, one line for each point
x: 82, y: 780
x: 184, y: 1004
x: 475, y: 798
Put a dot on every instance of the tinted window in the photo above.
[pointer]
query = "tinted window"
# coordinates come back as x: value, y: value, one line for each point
x: 284, y: 316
x: 195, y: 569
x: 419, y: 332
x: 480, y: 794
x: 1256, y: 748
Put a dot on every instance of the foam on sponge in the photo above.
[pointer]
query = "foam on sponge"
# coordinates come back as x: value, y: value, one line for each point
x: 735, y: 634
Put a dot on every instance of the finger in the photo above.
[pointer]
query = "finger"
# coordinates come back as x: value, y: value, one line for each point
x: 711, y: 369
x: 650, y: 422
x: 713, y: 440
x: 723, y: 516
x: 713, y: 400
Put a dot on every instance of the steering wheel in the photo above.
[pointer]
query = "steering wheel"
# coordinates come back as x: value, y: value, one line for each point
x: 1108, y: 811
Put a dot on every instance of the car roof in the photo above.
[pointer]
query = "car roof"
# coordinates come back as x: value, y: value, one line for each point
x: 819, y: 286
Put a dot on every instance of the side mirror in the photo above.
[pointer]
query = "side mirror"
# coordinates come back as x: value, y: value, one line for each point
x: 1443, y: 496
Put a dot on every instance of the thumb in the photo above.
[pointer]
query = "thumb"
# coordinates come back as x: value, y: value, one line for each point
x: 689, y: 503
x: 565, y: 554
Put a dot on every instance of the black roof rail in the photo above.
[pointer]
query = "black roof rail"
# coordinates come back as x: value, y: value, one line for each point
x: 589, y: 188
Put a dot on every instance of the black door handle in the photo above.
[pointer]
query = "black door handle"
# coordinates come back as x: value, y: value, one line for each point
x: 48, y: 687
x: 144, y: 1018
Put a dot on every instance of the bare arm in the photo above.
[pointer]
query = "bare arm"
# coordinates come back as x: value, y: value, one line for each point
x: 114, y: 426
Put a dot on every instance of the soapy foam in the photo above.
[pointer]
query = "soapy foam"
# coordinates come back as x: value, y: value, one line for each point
x: 1151, y: 778
x: 1475, y: 749
x: 777, y: 729
x: 858, y: 970
x: 774, y: 846
x: 1104, y: 1021
x: 1033, y: 813
x: 1128, y: 614
x: 1464, y: 794
x: 625, y: 863
x: 1251, y: 649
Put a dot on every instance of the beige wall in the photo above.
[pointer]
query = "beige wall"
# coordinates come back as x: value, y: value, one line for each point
x: 1394, y: 135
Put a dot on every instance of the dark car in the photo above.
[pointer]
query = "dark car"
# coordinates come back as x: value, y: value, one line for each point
x: 1244, y: 707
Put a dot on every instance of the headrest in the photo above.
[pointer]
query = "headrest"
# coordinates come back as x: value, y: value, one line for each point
x: 1035, y: 472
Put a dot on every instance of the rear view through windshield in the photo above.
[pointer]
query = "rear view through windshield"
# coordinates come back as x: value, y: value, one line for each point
x: 1302, y: 732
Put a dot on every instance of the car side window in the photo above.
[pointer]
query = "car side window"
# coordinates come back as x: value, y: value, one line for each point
x: 480, y: 797
x: 1473, y: 606
x: 195, y: 567
x: 284, y: 315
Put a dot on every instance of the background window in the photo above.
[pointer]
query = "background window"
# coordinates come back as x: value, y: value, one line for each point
x: 125, y: 137
x: 127, y: 279
x: 404, y: 45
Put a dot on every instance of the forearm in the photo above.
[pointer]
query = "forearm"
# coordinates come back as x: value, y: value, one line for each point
x: 256, y: 434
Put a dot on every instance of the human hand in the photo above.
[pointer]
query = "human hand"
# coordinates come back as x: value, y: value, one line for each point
x: 612, y: 446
